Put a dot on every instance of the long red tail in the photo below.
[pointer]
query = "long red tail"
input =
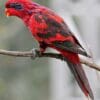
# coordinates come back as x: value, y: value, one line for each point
x: 78, y: 72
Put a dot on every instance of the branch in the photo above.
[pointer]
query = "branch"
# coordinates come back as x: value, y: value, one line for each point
x: 52, y: 55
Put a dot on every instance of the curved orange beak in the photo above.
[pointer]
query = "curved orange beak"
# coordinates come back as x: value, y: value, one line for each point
x: 7, y: 12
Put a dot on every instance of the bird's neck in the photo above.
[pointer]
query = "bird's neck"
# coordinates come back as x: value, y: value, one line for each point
x: 26, y: 19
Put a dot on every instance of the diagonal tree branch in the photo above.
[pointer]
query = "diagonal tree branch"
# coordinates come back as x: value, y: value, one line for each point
x: 52, y: 55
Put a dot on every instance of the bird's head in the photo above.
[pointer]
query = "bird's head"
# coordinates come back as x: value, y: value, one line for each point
x: 19, y: 8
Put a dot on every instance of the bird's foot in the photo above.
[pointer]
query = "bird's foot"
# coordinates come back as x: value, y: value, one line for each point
x: 35, y: 53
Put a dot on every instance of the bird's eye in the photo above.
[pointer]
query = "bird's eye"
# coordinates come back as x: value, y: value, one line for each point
x: 16, y: 6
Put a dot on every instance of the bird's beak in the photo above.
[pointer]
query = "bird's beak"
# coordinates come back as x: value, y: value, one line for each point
x: 7, y: 13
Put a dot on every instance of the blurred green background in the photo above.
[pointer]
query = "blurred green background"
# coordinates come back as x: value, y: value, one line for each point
x: 21, y: 78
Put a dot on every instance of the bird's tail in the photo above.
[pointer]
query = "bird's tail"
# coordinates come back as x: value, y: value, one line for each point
x: 75, y: 66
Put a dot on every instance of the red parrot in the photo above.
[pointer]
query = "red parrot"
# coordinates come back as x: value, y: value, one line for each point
x: 50, y: 30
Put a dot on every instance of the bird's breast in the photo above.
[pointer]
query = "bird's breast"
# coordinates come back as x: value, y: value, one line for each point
x: 37, y: 27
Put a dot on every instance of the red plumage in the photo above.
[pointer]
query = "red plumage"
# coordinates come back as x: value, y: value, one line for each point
x: 50, y: 30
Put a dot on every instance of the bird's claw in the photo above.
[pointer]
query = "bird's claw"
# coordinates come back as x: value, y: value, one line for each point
x: 35, y: 53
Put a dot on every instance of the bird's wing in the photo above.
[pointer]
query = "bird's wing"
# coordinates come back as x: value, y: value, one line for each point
x: 56, y: 26
x: 71, y: 47
x: 49, y: 24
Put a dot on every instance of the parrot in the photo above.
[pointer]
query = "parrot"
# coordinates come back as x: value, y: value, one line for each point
x: 50, y: 30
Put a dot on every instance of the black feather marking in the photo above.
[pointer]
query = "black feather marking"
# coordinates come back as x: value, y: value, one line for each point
x: 69, y: 46
x: 38, y: 18
x: 46, y: 36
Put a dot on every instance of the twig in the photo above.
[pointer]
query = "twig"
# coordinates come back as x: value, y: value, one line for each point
x: 52, y: 55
